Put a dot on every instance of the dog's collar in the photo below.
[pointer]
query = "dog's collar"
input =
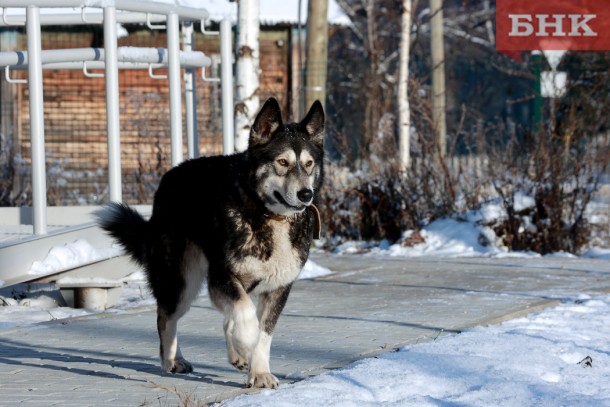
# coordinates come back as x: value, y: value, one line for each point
x: 279, y: 218
x: 317, y: 220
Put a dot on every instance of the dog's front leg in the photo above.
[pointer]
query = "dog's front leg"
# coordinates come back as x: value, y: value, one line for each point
x: 270, y: 306
x: 241, y: 324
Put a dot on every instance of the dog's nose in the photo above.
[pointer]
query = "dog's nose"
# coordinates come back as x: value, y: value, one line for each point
x: 305, y: 195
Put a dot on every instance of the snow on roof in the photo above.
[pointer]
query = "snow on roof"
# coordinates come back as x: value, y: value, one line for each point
x: 274, y: 11
x: 271, y: 11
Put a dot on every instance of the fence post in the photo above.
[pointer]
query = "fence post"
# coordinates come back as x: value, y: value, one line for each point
x: 175, y: 105
x: 39, y: 182
x: 112, y: 104
x: 226, y: 86
x: 190, y: 96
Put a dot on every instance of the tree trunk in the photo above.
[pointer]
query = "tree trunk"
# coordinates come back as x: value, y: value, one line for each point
x: 373, y: 110
x: 247, y: 71
x: 404, y: 114
x: 438, y: 75
x: 317, y: 51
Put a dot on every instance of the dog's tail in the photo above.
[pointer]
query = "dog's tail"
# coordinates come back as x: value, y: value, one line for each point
x: 127, y: 226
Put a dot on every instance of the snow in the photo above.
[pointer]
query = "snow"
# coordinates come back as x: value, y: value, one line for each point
x: 222, y: 9
x: 313, y: 270
x: 524, y: 362
x: 445, y: 237
x: 466, y: 236
x: 597, y: 253
x: 92, y: 281
x: 271, y: 12
x: 523, y: 201
x: 71, y: 255
x: 24, y: 305
x: 274, y: 12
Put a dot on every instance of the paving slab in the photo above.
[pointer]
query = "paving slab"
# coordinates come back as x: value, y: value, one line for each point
x: 370, y: 305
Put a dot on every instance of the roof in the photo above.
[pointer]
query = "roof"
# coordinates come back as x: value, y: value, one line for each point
x: 273, y: 11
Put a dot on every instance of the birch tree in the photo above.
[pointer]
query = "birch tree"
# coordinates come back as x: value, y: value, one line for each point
x: 404, y: 114
x: 247, y: 71
x: 373, y: 52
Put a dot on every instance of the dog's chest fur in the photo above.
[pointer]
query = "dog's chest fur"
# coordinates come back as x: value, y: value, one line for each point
x: 268, y: 254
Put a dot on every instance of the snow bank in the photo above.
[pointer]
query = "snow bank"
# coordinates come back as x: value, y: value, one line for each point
x: 597, y: 253
x: 524, y: 362
x: 36, y: 304
x: 442, y: 238
x: 463, y: 236
x: 313, y: 270
x: 447, y: 238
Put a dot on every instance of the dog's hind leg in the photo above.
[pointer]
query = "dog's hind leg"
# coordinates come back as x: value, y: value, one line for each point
x: 170, y: 308
x: 169, y: 350
x: 270, y: 306
x: 240, y: 325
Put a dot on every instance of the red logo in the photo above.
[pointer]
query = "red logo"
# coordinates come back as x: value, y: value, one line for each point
x: 552, y: 25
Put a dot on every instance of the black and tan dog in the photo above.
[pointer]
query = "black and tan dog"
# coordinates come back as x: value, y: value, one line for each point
x: 243, y: 224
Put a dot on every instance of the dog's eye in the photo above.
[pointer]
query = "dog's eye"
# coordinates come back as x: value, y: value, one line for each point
x: 283, y: 162
x: 308, y: 164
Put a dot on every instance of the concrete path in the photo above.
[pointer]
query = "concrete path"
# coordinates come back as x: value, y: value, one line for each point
x: 370, y: 305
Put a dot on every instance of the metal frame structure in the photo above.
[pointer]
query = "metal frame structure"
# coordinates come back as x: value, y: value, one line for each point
x: 111, y: 59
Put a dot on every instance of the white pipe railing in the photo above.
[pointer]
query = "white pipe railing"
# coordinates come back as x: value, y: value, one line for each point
x: 173, y: 73
x: 12, y: 17
x: 190, y: 96
x: 152, y: 7
x: 39, y: 180
x: 226, y: 86
x: 99, y: 65
x: 159, y: 56
x: 111, y: 59
x: 112, y: 105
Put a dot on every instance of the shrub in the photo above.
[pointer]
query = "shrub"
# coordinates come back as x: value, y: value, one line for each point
x: 377, y: 201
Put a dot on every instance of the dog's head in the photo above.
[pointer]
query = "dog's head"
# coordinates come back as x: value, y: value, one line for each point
x: 287, y: 159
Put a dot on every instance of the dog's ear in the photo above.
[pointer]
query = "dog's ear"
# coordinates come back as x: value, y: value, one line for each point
x: 314, y: 123
x: 268, y: 120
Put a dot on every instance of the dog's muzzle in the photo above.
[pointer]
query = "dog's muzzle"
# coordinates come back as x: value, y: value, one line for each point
x: 305, y: 195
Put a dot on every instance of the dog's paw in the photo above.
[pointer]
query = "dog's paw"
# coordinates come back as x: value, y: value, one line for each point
x: 262, y: 380
x: 240, y: 363
x: 180, y: 365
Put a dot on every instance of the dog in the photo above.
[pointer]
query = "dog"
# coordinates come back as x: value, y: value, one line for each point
x: 242, y: 222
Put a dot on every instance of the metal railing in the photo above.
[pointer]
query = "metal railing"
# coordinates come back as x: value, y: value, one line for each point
x: 111, y: 59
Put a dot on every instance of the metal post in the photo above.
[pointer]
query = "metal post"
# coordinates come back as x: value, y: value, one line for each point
x: 39, y: 182
x: 112, y: 104
x: 175, y: 105
x: 190, y: 96
x: 226, y: 85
